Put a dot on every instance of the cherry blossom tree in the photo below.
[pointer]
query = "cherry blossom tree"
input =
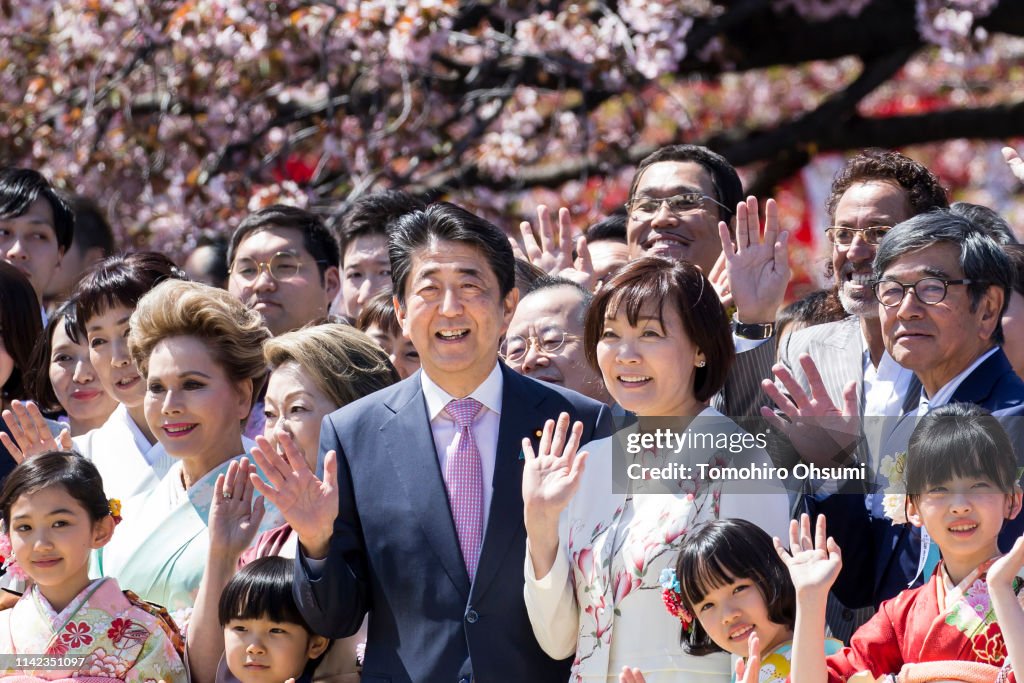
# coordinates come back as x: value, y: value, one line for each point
x: 180, y: 116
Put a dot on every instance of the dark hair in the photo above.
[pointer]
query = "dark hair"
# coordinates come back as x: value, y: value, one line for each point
x: 609, y: 229
x: 983, y: 261
x: 818, y: 307
x: 724, y: 179
x: 994, y: 225
x: 1015, y: 252
x: 91, y: 226
x: 316, y: 238
x: 21, y: 325
x: 449, y: 223
x: 719, y: 552
x: 550, y: 282
x: 120, y: 280
x: 19, y: 187
x: 217, y: 268
x: 680, y: 284
x: 959, y: 440
x: 372, y: 213
x: 924, y: 192
x: 77, y: 475
x: 38, y: 386
x: 379, y: 311
x: 262, y: 589
x: 527, y: 274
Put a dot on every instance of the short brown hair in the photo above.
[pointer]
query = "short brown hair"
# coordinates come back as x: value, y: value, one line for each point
x: 345, y: 363
x: 924, y: 192
x: 673, y: 283
x: 234, y: 333
x: 379, y: 311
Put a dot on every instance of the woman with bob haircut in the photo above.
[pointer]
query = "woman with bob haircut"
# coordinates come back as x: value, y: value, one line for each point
x: 600, y: 533
x: 200, y: 351
x: 124, y: 449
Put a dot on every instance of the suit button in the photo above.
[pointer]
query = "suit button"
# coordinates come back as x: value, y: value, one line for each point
x: 472, y: 616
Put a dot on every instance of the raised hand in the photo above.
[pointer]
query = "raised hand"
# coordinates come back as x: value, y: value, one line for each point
x: 308, y: 504
x: 234, y: 519
x: 816, y: 427
x: 719, y: 278
x: 750, y: 670
x: 31, y: 433
x: 757, y: 265
x: 1015, y: 162
x: 551, y: 249
x: 813, y: 561
x: 1003, y: 570
x: 629, y: 675
x: 551, y: 477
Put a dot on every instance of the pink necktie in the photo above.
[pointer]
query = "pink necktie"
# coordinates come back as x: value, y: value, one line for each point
x: 464, y: 477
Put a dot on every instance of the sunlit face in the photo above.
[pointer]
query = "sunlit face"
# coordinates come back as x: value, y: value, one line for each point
x: 296, y: 406
x: 398, y: 347
x: 544, y: 317
x: 191, y: 405
x: 74, y: 380
x: 730, y: 612
x: 607, y: 256
x: 366, y: 272
x: 455, y: 314
x: 52, y: 537
x: 864, y: 205
x: 107, y: 336
x: 293, y: 300
x: 692, y: 236
x: 29, y: 243
x: 964, y: 516
x: 264, y: 651
x: 937, y: 341
x: 1013, y: 332
x: 648, y: 369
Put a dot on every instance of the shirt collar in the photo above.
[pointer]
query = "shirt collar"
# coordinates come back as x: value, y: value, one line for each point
x: 943, y: 395
x: 488, y: 393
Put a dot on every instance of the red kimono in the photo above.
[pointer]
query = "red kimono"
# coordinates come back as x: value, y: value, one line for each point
x: 920, y: 628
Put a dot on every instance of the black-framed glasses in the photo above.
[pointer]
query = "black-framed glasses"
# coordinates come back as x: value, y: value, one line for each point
x: 549, y: 341
x: 837, y: 234
x: 645, y: 208
x: 281, y: 266
x: 928, y: 290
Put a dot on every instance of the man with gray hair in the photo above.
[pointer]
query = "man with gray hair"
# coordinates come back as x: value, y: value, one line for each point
x: 942, y: 284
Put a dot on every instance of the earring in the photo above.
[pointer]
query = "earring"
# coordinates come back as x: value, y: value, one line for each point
x: 702, y: 363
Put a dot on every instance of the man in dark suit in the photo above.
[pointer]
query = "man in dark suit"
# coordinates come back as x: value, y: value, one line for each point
x: 429, y: 537
x: 942, y: 285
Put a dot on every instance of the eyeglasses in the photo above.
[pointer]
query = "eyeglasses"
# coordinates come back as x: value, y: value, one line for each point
x: 645, y: 208
x: 282, y: 266
x: 550, y: 341
x: 929, y: 290
x: 844, y: 236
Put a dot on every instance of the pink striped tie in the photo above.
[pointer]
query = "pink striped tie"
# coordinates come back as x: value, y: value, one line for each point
x: 464, y: 477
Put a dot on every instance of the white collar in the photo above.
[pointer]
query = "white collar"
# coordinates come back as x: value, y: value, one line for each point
x: 488, y: 393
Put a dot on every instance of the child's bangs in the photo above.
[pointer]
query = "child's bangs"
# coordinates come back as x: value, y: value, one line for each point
x: 702, y: 570
x: 960, y: 447
x: 261, y: 590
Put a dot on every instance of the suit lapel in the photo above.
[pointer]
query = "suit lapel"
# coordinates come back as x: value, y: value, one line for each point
x: 520, y: 417
x: 410, y: 445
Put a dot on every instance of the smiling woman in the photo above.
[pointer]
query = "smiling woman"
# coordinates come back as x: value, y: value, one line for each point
x: 200, y: 352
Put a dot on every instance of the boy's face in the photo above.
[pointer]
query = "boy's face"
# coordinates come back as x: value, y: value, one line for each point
x: 29, y: 243
x: 265, y: 651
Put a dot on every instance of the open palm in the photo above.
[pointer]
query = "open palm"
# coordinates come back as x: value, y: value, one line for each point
x: 550, y: 478
x: 813, y: 562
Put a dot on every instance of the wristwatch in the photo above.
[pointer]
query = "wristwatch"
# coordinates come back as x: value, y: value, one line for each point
x: 752, y: 330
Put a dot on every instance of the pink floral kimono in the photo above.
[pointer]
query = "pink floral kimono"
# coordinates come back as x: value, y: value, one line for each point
x: 116, y: 638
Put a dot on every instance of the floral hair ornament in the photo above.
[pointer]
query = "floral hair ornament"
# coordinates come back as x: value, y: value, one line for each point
x: 672, y: 596
x: 115, y: 510
x: 894, y: 502
x: 7, y: 555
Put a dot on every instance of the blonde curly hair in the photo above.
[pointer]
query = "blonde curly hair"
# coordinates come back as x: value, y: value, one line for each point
x: 233, y: 333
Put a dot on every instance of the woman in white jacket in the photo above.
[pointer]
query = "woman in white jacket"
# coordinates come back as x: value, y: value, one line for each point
x: 603, y: 524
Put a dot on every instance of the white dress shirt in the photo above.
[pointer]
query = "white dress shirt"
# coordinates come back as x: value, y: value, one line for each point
x: 485, y: 426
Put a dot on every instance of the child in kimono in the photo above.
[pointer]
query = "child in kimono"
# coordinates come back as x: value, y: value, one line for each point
x: 67, y: 625
x: 730, y: 586
x: 961, y: 481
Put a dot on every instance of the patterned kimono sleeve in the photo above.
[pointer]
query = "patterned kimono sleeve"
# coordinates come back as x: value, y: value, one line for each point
x: 551, y: 606
x: 877, y: 646
x: 157, y: 661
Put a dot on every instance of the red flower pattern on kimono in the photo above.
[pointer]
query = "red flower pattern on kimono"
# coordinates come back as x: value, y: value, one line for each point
x: 77, y: 634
